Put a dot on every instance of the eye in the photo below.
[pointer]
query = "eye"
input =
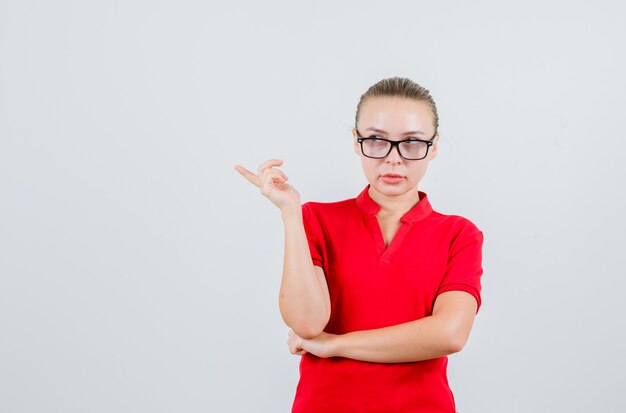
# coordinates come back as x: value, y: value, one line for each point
x: 413, y: 141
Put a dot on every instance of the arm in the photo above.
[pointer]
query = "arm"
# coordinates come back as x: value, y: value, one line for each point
x: 444, y: 332
x: 304, y: 298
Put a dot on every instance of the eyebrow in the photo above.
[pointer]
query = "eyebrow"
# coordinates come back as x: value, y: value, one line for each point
x: 416, y: 132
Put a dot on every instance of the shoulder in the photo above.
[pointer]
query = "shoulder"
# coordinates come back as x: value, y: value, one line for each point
x: 455, y: 225
x: 329, y: 216
x: 330, y: 209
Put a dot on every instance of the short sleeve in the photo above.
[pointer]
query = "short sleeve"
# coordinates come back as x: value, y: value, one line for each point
x: 464, y: 267
x: 314, y: 235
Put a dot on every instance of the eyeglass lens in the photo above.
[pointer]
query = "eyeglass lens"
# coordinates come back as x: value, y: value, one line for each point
x: 408, y: 149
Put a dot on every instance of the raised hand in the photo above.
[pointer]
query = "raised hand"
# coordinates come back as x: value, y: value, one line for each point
x: 272, y: 183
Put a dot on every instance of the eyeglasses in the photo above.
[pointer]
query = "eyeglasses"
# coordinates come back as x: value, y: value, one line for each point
x: 411, y: 149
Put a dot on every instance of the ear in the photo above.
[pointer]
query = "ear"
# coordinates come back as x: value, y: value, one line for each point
x: 433, y: 149
x: 356, y: 145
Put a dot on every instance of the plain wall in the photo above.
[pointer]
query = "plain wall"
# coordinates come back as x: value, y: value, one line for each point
x: 140, y: 272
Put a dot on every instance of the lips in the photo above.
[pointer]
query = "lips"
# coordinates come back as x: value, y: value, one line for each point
x: 392, y: 178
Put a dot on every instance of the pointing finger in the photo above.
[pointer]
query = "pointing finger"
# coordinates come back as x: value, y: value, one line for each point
x: 248, y: 175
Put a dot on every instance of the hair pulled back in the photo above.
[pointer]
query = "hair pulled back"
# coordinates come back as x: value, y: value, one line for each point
x: 399, y: 87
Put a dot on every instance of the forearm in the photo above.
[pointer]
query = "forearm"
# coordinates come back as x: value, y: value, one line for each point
x: 302, y: 301
x: 417, y: 340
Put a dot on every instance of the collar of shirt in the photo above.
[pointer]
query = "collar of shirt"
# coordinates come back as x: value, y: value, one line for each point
x: 419, y: 211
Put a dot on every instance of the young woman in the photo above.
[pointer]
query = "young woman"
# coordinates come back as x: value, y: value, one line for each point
x: 377, y: 289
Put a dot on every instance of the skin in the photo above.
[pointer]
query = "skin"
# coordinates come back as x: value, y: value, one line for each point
x: 447, y: 329
x: 304, y: 299
x: 395, y: 116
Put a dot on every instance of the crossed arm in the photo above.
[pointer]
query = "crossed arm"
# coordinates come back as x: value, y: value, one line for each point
x: 305, y: 307
x: 444, y: 332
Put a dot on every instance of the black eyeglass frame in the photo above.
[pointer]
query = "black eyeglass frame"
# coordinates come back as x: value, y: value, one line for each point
x: 429, y: 143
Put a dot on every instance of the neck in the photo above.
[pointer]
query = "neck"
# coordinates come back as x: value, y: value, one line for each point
x: 394, y: 205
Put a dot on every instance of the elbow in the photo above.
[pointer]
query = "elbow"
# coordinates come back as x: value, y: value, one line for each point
x: 452, y: 338
x: 454, y: 346
x: 305, y: 325
x: 307, y: 331
x: 455, y: 342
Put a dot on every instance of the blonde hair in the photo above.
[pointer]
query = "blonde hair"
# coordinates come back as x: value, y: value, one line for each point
x: 399, y: 87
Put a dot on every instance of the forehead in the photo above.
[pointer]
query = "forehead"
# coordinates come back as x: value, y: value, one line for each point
x: 395, y: 113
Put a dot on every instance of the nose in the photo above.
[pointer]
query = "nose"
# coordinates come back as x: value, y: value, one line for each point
x: 394, y: 155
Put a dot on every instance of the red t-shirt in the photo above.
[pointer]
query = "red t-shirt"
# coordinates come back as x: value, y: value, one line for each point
x: 372, y: 286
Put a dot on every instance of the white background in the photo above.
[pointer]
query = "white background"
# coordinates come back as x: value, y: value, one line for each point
x: 140, y: 272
